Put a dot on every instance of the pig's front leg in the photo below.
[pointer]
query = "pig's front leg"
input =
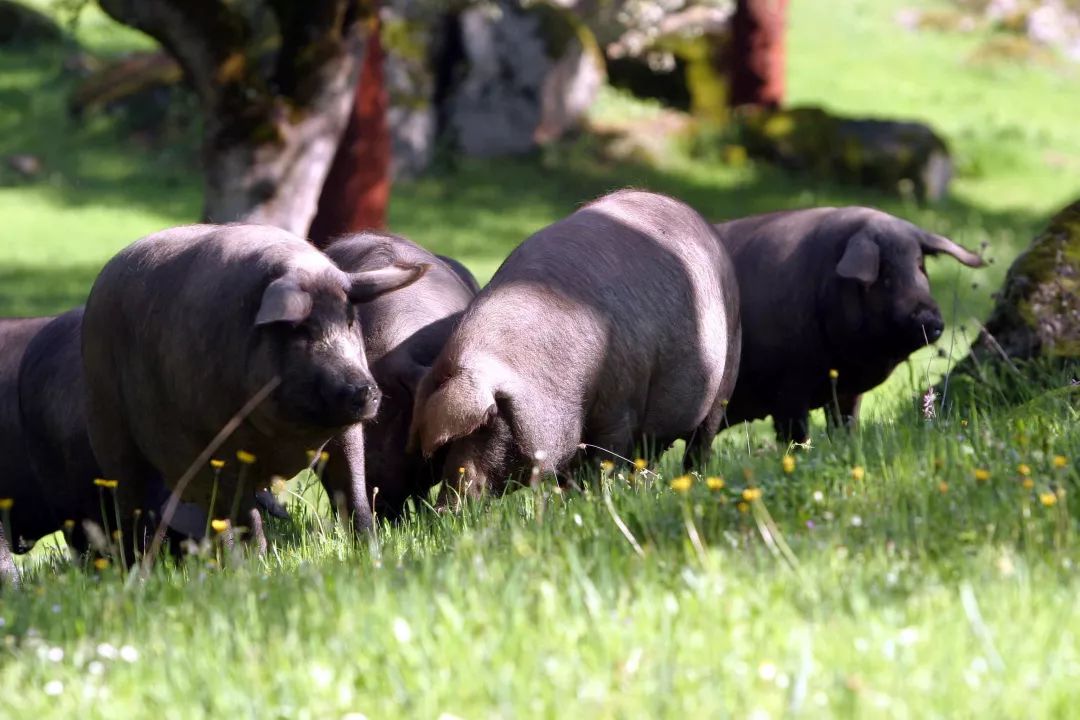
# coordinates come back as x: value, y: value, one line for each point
x: 344, y: 477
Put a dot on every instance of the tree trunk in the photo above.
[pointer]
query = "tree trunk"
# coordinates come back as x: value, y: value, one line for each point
x: 272, y: 118
x: 357, y: 189
x: 757, y: 53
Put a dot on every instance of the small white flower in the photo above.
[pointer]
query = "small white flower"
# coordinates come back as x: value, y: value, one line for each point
x: 95, y: 668
x: 856, y: 521
x: 129, y: 654
x: 402, y: 631
x: 321, y: 675
x: 54, y: 687
x: 354, y: 716
x: 766, y: 671
x: 577, y: 520
x: 540, y: 455
x: 107, y: 651
x: 819, y: 497
x: 908, y: 636
x: 55, y: 654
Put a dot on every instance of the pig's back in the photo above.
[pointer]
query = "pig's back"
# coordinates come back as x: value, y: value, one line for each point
x: 636, y: 285
x: 409, y: 319
x: 16, y: 476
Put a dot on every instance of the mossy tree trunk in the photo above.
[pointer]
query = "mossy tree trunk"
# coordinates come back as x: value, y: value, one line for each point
x: 275, y: 80
x: 757, y: 53
x: 357, y: 190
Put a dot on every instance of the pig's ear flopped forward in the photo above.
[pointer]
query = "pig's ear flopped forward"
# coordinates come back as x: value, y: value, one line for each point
x: 367, y: 285
x: 458, y: 407
x: 933, y: 244
x: 283, y: 300
x: 861, y: 260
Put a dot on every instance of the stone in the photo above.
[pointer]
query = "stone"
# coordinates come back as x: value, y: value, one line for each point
x: 524, y: 76
x: 902, y: 157
x: 1037, y: 311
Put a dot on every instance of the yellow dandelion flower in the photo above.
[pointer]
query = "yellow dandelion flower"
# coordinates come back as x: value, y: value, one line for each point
x: 682, y: 483
x: 1028, y: 483
x: 1060, y: 461
x: 607, y: 466
x: 461, y: 470
x: 857, y: 473
x: 69, y: 525
x: 324, y: 456
x: 982, y: 474
x: 277, y: 485
x: 1047, y: 498
x: 963, y: 423
x: 788, y: 464
x: 834, y: 373
x: 943, y: 487
x: 743, y: 507
x: 219, y: 525
x: 245, y: 457
x: 714, y: 483
x: 116, y: 534
x: 1023, y: 469
x: 6, y: 503
x: 751, y: 494
x: 311, y: 455
x: 217, y: 464
x: 102, y: 482
x: 641, y: 464
x: 101, y: 563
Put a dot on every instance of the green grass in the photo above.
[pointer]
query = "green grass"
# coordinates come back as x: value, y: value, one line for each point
x: 915, y: 591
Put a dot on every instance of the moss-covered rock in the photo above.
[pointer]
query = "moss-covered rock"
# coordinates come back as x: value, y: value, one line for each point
x: 1037, y: 313
x: 894, y: 156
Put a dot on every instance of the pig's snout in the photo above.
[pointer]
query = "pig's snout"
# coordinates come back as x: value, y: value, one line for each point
x: 361, y: 399
x: 927, y: 321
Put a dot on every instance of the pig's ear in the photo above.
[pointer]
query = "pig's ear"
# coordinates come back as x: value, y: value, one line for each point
x: 456, y: 408
x: 933, y: 244
x: 861, y: 259
x: 283, y: 301
x: 370, y: 284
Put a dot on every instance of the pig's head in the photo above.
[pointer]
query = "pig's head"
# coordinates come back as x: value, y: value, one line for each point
x: 464, y: 417
x: 306, y: 335
x: 883, y: 290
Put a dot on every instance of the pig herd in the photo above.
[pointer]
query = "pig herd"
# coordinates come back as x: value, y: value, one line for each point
x: 627, y: 325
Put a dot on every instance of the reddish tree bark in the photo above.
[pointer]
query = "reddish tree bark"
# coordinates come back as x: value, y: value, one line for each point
x: 757, y: 53
x: 357, y: 189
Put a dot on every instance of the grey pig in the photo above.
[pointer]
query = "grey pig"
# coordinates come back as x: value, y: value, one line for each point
x: 49, y: 467
x: 403, y: 332
x: 826, y: 289
x: 184, y: 327
x: 614, y: 326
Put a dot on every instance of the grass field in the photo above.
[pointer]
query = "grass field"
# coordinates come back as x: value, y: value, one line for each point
x: 917, y: 568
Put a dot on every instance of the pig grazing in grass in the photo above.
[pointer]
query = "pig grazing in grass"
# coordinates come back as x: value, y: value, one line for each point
x: 47, y: 467
x: 403, y: 333
x: 828, y: 289
x: 186, y: 326
x: 17, y: 481
x: 616, y: 326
